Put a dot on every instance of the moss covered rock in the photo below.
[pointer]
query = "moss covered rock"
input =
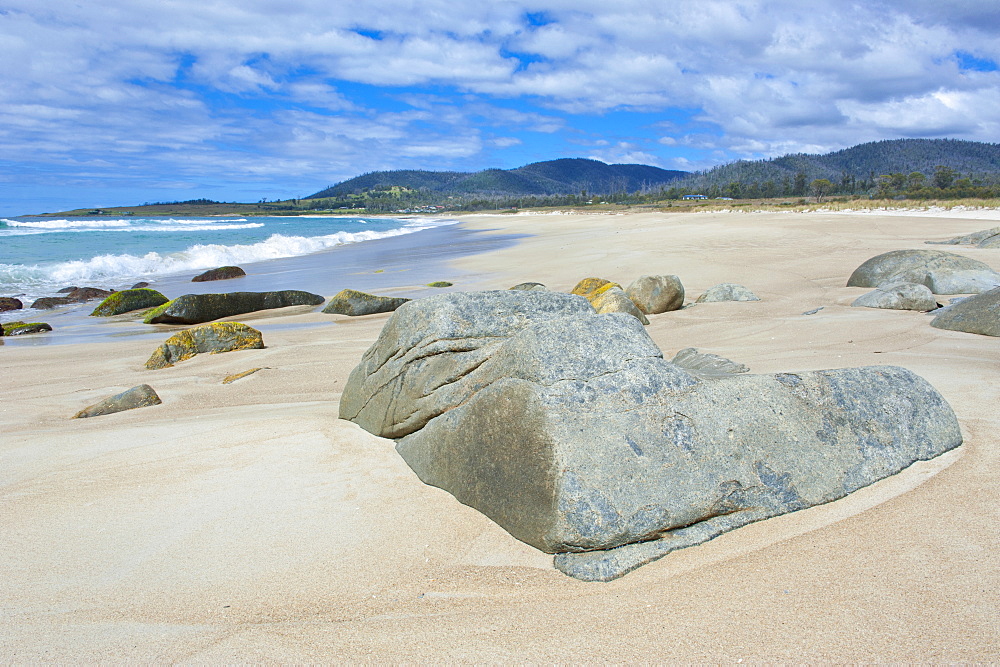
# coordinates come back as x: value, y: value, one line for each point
x: 198, y: 308
x: 22, y: 328
x: 221, y: 273
x: 128, y: 300
x: 211, y: 338
x: 440, y: 283
x: 352, y: 302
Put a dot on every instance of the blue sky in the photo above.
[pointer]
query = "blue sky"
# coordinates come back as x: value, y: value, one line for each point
x: 125, y: 101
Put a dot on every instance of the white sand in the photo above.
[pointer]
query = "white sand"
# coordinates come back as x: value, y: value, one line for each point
x: 244, y: 522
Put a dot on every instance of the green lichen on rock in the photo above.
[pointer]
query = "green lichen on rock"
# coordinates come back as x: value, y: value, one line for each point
x: 21, y: 328
x: 148, y: 319
x: 129, y: 300
x: 440, y: 283
x: 198, y: 308
x: 212, y: 338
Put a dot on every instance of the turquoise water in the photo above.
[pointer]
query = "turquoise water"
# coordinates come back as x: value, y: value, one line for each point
x: 38, y: 256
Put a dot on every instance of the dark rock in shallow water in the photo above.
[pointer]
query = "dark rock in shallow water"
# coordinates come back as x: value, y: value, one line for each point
x: 136, y: 397
x: 48, y: 302
x: 139, y: 285
x: 23, y: 328
x: 127, y: 301
x: 727, y: 292
x: 82, y: 294
x: 572, y: 432
x: 197, y: 308
x: 211, y: 338
x: 76, y: 295
x: 979, y: 314
x: 898, y: 296
x: 67, y: 290
x: 10, y: 303
x: 656, y: 294
x: 942, y: 272
x: 353, y: 302
x: 221, y: 273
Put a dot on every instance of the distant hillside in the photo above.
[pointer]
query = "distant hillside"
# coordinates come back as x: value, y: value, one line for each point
x: 554, y: 177
x: 862, y: 163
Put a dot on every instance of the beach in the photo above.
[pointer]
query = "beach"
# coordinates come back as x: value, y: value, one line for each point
x: 245, y: 522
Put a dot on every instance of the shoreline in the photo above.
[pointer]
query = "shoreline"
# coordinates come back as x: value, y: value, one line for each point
x: 246, y: 522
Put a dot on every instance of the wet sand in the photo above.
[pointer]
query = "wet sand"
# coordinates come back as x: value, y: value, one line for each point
x: 244, y: 522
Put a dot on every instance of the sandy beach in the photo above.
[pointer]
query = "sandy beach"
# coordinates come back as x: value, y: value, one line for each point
x: 246, y: 523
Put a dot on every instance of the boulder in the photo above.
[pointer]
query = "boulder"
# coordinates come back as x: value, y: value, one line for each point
x: 353, y: 302
x: 570, y: 430
x: 49, y: 302
x: 10, y: 303
x: 898, y: 296
x: 211, y: 338
x: 727, y: 292
x: 942, y: 272
x: 656, y: 294
x: 530, y: 287
x: 976, y: 238
x: 197, y: 308
x: 136, y: 397
x: 588, y: 286
x: 440, y: 283
x: 81, y: 294
x: 140, y: 285
x: 991, y: 242
x: 221, y: 273
x: 67, y: 290
x: 23, y: 328
x: 612, y: 299
x: 75, y: 295
x: 127, y: 301
x: 979, y: 314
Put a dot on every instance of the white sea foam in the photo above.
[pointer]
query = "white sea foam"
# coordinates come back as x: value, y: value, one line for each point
x: 117, y: 269
x: 22, y: 227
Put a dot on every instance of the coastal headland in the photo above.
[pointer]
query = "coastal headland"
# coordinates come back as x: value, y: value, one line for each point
x: 245, y: 522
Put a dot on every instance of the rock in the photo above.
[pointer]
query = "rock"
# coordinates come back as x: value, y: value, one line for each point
x: 67, y: 290
x: 727, y: 292
x: 530, y: 287
x: 353, y: 302
x: 440, y: 283
x: 942, y: 272
x: 813, y: 311
x: 136, y: 397
x: 656, y: 294
x: 898, y: 296
x: 196, y: 308
x: 403, y: 379
x: 48, y: 302
x: 76, y: 295
x: 975, y: 238
x: 229, y: 379
x: 212, y: 338
x: 139, y: 285
x: 127, y: 301
x: 979, y: 314
x: 10, y: 303
x: 81, y: 294
x: 588, y: 286
x: 221, y: 273
x: 617, y: 453
x: 706, y: 365
x: 991, y: 242
x: 612, y: 299
x: 23, y: 328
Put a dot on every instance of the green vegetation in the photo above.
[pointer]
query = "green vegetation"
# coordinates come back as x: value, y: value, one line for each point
x: 440, y: 283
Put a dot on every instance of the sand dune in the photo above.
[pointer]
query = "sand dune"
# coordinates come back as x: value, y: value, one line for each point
x: 245, y: 522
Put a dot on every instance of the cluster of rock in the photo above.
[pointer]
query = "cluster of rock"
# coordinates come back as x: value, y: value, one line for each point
x: 71, y: 295
x: 909, y: 280
x: 570, y: 430
x: 987, y: 238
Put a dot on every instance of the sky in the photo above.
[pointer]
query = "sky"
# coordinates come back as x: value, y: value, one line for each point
x: 120, y: 102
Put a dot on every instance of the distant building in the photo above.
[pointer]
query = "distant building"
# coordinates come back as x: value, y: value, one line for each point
x: 695, y: 197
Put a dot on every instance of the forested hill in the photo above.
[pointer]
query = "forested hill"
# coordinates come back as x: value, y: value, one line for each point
x: 554, y: 177
x: 865, y: 162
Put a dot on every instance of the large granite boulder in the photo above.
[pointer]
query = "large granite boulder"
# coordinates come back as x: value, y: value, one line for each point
x: 221, y: 273
x: 10, y: 303
x: 942, y: 272
x: 127, y: 301
x: 136, y: 397
x: 573, y: 433
x: 212, y: 338
x: 656, y: 294
x: 991, y: 242
x: 24, y: 328
x: 197, y: 308
x: 352, y: 302
x: 979, y: 314
x: 898, y: 296
x: 727, y: 292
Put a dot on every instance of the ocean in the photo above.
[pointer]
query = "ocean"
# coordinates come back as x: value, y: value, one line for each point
x: 320, y: 254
